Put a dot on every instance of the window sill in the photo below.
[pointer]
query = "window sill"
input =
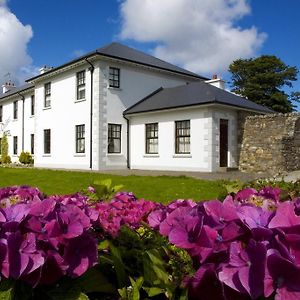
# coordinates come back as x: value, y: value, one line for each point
x: 79, y: 100
x: 14, y: 155
x: 114, y: 88
x: 151, y: 155
x: 182, y: 156
x: 79, y: 155
x: 31, y: 116
x: 46, y: 155
x: 46, y: 108
x: 114, y: 154
x: 15, y: 120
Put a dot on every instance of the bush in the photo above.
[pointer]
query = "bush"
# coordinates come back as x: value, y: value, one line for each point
x: 5, y: 158
x: 79, y: 247
x: 25, y: 158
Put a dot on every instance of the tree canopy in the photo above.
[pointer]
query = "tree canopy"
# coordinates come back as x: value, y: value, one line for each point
x: 262, y: 80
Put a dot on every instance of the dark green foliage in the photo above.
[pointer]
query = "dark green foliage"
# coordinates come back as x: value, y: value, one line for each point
x: 5, y: 158
x: 262, y: 80
x: 25, y: 158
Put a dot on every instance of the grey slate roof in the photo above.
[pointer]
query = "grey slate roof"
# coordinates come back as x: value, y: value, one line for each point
x: 16, y: 90
x: 197, y: 93
x: 122, y: 52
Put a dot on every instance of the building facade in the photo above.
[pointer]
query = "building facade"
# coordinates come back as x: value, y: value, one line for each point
x: 82, y: 115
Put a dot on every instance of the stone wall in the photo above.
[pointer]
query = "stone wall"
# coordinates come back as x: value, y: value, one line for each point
x: 270, y: 143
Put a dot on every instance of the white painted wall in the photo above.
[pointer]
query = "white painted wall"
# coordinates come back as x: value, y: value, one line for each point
x: 204, y: 139
x: 65, y: 112
x: 135, y: 84
x: 13, y: 127
x: 108, y: 106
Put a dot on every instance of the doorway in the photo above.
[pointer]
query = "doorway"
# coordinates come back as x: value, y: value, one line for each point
x: 223, y: 143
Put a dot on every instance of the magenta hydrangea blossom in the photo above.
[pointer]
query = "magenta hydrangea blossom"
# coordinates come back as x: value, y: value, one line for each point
x: 252, y: 248
x: 39, y: 234
x: 123, y: 209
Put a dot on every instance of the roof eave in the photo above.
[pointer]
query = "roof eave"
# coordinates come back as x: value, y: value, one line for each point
x: 208, y: 103
x: 26, y: 90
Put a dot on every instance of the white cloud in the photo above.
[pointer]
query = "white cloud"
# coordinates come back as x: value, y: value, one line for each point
x: 200, y: 35
x: 14, y: 38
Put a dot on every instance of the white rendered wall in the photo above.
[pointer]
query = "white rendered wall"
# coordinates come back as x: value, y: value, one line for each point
x: 108, y: 106
x: 135, y: 84
x: 204, y: 140
x: 13, y: 127
x: 65, y: 112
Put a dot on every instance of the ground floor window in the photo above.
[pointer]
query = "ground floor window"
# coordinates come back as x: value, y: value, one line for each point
x: 182, y: 137
x: 80, y: 138
x: 152, y: 138
x: 32, y: 143
x: 15, y: 145
x: 47, y: 141
x: 114, y: 138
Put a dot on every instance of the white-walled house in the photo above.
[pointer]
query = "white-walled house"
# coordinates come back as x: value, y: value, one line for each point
x: 117, y: 107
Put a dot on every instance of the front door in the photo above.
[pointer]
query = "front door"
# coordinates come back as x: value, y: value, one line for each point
x: 223, y: 143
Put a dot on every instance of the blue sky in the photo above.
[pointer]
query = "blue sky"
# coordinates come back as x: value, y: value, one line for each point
x: 204, y: 41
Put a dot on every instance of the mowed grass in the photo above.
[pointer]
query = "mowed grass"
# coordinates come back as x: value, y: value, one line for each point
x: 161, y: 188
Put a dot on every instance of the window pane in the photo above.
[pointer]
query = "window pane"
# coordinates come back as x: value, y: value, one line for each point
x: 182, y: 138
x: 80, y: 138
x: 47, y: 141
x: 114, y: 77
x: 114, y: 138
x: 152, y: 138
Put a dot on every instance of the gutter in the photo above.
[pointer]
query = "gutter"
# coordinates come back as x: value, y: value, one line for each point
x: 23, y: 105
x: 128, y: 141
x: 91, y: 69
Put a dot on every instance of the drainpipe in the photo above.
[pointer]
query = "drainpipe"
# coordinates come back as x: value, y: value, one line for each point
x: 91, y: 69
x: 128, y: 141
x: 23, y: 105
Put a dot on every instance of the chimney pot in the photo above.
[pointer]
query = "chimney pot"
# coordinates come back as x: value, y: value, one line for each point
x: 215, y: 76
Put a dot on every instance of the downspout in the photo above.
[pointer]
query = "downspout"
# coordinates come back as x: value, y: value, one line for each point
x: 91, y: 69
x: 23, y: 105
x: 128, y: 141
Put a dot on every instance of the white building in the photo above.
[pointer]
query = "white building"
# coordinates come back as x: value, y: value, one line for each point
x: 117, y: 107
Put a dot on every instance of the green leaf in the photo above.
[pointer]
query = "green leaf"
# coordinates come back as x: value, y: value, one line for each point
x: 6, y: 290
x: 103, y: 245
x: 94, y: 281
x: 123, y: 293
x: 67, y: 291
x: 118, y: 264
x: 153, y: 291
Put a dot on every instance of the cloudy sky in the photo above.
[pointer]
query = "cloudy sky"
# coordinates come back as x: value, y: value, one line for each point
x: 204, y: 36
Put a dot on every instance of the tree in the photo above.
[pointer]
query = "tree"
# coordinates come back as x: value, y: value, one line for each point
x: 262, y: 80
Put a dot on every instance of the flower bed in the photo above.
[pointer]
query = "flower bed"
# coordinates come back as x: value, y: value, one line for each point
x: 80, y: 247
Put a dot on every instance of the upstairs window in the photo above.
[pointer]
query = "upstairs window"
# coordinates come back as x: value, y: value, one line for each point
x: 32, y: 105
x: 47, y: 141
x: 80, y: 83
x: 80, y: 138
x: 1, y: 113
x: 182, y: 137
x: 15, y: 104
x: 152, y: 138
x: 114, y: 77
x: 15, y: 144
x: 114, y: 138
x: 47, y: 100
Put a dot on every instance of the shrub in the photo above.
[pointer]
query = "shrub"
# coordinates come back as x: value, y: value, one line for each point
x: 5, y: 158
x: 25, y: 158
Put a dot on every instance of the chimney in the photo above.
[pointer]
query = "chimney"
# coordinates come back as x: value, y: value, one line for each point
x: 217, y: 82
x: 44, y: 69
x: 7, y: 86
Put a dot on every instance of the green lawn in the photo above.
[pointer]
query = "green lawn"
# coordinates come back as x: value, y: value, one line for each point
x: 161, y: 188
